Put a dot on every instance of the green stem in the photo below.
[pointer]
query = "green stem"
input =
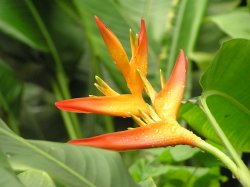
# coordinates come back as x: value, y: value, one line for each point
x: 108, y: 124
x: 12, y: 123
x: 219, y: 154
x: 242, y: 167
x: 10, y: 117
x: 60, y: 74
x: 240, y: 174
x: 71, y: 132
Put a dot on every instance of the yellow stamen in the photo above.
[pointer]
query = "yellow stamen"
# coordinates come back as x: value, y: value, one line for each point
x: 153, y: 114
x: 103, y: 87
x: 146, y: 117
x: 136, y: 40
x: 162, y: 79
x: 138, y: 120
x: 147, y: 86
x: 132, y: 43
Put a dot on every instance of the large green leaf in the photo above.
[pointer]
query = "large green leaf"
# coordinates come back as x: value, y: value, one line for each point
x: 226, y: 90
x: 8, y: 177
x: 16, y: 21
x: 36, y: 178
x: 236, y: 23
x: 66, y: 164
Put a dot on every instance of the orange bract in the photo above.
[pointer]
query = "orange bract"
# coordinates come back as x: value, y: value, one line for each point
x: 121, y: 105
x: 158, y: 134
x: 168, y: 101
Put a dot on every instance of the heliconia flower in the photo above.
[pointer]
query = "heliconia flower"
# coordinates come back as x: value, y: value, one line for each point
x: 159, y: 127
x: 114, y: 103
x: 157, y: 122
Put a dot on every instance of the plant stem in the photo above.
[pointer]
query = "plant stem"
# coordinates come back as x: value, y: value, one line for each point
x: 71, y: 132
x: 60, y: 74
x: 108, y: 124
x: 220, y: 155
x: 242, y: 167
x: 240, y: 174
x: 12, y: 123
x: 10, y: 117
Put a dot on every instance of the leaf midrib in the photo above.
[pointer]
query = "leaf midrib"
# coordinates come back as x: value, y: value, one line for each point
x: 39, y: 151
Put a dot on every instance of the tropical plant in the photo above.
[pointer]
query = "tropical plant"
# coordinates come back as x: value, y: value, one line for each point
x: 52, y: 51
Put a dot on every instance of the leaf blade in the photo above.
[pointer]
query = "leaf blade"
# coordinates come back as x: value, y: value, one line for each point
x: 66, y: 164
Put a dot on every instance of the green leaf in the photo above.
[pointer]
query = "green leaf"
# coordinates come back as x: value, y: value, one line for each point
x: 236, y: 23
x: 182, y: 152
x: 8, y: 177
x: 17, y: 22
x: 10, y: 95
x: 60, y: 25
x: 226, y: 90
x: 66, y: 164
x: 173, y: 175
x: 148, y: 183
x: 11, y: 88
x: 36, y: 178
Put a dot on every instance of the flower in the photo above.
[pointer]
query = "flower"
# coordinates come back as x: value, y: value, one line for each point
x: 158, y: 126
x: 113, y: 103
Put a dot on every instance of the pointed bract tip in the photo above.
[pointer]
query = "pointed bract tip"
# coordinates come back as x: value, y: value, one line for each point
x: 143, y: 28
x: 100, y: 24
x: 182, y: 58
x: 96, y: 18
x: 142, y: 22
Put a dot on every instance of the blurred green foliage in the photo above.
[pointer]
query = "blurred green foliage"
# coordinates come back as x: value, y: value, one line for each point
x: 51, y: 50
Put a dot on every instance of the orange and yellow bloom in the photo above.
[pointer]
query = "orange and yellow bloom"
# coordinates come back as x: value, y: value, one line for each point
x: 114, y: 103
x: 158, y: 125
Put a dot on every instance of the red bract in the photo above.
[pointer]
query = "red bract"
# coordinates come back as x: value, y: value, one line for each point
x: 157, y: 134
